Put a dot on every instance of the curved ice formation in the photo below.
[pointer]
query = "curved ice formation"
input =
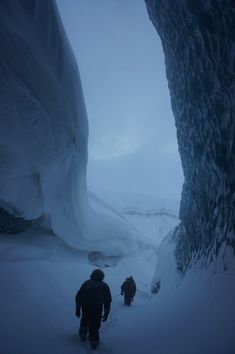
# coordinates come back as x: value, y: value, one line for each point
x: 44, y: 130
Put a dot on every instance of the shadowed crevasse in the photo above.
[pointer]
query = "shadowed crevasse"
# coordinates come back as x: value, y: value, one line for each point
x: 198, y: 40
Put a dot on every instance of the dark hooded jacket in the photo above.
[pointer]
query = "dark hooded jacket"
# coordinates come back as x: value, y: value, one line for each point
x: 129, y: 287
x: 94, y: 297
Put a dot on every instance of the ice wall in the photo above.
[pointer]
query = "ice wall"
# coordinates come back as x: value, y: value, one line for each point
x: 198, y: 40
x: 44, y: 129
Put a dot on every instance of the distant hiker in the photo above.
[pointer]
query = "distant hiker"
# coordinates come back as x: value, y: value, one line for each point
x: 93, y: 298
x: 128, y: 288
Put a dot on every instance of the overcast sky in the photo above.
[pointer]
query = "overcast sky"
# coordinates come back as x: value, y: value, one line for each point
x: 132, y: 141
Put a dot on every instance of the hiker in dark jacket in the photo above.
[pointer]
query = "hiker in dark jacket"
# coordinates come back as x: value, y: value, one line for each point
x: 128, y: 288
x: 94, y: 298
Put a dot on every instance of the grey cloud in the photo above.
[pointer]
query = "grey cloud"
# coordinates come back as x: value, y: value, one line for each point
x: 122, y: 68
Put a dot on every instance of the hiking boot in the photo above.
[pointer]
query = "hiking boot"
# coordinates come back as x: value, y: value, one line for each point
x: 94, y: 345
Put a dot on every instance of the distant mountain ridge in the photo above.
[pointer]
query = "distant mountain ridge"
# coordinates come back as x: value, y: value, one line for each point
x: 149, y: 212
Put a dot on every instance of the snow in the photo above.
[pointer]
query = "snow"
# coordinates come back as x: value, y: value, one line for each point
x: 189, y: 316
x: 151, y: 216
x: 43, y: 174
x: 40, y: 275
x: 43, y: 275
x: 122, y: 199
x: 154, y: 223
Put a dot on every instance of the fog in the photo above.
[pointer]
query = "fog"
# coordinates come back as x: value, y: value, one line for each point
x: 132, y: 139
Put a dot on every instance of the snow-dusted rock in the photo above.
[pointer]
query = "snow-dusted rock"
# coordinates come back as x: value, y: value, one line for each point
x: 44, y: 129
x: 198, y: 41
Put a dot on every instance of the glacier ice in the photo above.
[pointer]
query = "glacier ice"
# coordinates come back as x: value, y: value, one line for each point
x: 44, y: 130
x: 198, y: 43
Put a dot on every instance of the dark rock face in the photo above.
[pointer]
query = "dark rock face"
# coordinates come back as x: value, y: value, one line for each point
x: 198, y: 40
x: 10, y: 224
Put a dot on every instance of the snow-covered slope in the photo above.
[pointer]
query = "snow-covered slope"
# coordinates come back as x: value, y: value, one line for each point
x: 44, y: 130
x: 39, y: 278
x: 154, y: 224
x: 152, y: 217
x: 190, y: 315
x: 120, y: 199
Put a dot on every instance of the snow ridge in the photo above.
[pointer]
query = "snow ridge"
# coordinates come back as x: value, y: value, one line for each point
x: 149, y: 212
